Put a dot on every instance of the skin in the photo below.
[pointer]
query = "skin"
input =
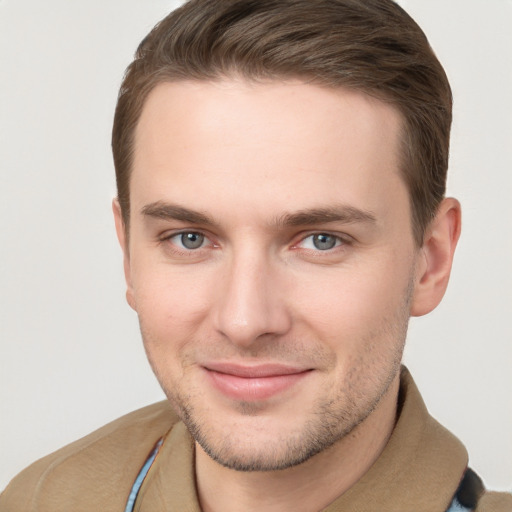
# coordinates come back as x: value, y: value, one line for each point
x: 253, y: 174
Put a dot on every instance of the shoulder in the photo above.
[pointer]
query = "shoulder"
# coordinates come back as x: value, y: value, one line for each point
x: 495, y: 502
x: 93, y: 473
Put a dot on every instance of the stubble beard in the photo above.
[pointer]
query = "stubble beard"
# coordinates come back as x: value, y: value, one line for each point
x: 316, y: 435
x: 331, y: 421
x: 329, y: 424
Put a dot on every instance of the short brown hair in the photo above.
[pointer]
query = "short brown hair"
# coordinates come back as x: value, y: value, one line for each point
x: 372, y: 46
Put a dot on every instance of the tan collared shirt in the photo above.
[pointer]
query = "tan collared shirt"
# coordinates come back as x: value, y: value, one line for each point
x: 419, y: 470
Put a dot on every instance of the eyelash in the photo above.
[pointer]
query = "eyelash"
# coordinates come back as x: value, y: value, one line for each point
x: 340, y: 242
x: 184, y: 250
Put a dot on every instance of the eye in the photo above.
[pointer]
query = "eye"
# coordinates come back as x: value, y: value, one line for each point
x: 320, y: 242
x: 189, y: 240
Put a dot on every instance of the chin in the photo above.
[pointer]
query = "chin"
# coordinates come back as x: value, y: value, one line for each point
x: 262, y: 442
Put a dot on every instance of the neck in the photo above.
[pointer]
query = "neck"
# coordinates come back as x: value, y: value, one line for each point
x: 309, y: 486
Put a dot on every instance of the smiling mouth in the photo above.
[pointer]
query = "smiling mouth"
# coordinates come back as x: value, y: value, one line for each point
x: 253, y: 383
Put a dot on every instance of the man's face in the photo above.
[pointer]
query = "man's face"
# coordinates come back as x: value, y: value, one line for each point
x: 271, y: 262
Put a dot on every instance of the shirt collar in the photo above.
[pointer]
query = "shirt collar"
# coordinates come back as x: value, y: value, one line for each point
x: 419, y: 469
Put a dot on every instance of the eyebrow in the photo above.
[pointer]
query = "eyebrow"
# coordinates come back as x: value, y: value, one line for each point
x: 308, y: 217
x: 341, y: 213
x: 166, y: 211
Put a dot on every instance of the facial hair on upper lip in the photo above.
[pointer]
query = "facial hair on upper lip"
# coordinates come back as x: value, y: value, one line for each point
x: 294, y: 354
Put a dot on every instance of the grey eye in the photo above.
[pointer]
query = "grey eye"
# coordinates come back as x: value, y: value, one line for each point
x: 192, y: 240
x: 324, y: 242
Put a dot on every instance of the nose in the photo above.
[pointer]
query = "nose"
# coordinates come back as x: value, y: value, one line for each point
x: 250, y: 304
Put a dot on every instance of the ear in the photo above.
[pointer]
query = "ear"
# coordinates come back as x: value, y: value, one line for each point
x: 436, y: 257
x: 123, y: 242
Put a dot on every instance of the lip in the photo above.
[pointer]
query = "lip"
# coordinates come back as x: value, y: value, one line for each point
x: 255, y: 382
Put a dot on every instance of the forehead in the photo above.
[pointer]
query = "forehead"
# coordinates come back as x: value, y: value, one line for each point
x: 249, y: 140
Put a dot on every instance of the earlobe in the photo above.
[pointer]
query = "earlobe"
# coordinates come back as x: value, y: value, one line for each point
x: 123, y: 242
x: 436, y: 257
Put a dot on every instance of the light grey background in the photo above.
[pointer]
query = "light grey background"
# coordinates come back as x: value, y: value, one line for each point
x: 70, y: 353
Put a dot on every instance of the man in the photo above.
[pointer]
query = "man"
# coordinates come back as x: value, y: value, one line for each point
x: 281, y: 170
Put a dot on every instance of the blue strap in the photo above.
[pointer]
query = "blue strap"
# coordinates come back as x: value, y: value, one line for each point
x: 457, y: 507
x: 141, y: 476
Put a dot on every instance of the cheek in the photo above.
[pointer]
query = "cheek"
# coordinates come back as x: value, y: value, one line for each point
x: 171, y: 305
x: 171, y: 315
x: 355, y: 306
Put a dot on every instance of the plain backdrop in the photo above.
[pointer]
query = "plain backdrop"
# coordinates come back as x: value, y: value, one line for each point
x: 70, y: 352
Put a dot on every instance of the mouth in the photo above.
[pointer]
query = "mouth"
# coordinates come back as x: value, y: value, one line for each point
x: 253, y: 383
